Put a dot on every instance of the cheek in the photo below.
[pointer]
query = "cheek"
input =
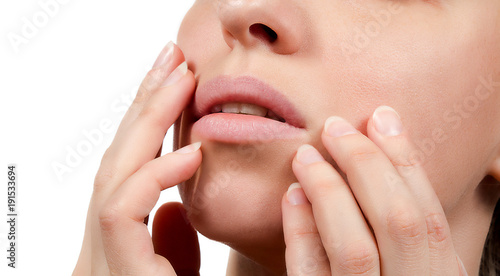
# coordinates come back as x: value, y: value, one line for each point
x: 200, y: 36
x: 440, y: 83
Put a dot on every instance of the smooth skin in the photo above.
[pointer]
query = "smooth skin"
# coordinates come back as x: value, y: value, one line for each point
x: 426, y: 62
x: 410, y: 233
x: 435, y: 62
x: 131, y: 177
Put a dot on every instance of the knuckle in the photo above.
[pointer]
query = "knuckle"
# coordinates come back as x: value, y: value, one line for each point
x: 401, y: 149
x: 406, y: 227
x: 305, y: 233
x: 323, y: 193
x: 308, y: 266
x: 152, y: 113
x: 437, y: 229
x: 364, y: 154
x: 103, y: 179
x: 407, y: 165
x: 407, y: 161
x: 323, y: 187
x: 148, y: 85
x: 311, y: 266
x: 107, y: 172
x: 323, y: 180
x: 358, y: 258
x: 108, y: 217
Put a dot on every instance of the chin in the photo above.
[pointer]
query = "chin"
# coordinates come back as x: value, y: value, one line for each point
x: 250, y: 133
x: 235, y: 196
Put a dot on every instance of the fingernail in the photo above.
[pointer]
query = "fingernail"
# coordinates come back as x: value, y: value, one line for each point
x: 307, y: 154
x: 296, y: 195
x: 165, y: 55
x: 387, y: 121
x: 189, y: 148
x: 176, y: 75
x: 336, y: 127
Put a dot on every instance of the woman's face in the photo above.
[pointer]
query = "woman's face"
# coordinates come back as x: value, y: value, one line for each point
x: 436, y: 62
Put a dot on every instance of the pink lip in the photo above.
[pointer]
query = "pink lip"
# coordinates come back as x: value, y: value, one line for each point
x: 240, y: 128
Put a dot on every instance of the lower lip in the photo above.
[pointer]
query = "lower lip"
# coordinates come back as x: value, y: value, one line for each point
x: 240, y: 129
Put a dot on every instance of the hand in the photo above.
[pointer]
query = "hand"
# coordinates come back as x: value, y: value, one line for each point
x: 131, y: 177
x: 384, y: 220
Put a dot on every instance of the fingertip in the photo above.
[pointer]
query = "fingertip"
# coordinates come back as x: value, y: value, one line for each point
x: 387, y: 121
x: 336, y: 126
x: 307, y: 154
x: 176, y: 239
x: 295, y: 195
x: 194, y: 147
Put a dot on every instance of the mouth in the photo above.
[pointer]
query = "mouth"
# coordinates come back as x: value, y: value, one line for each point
x: 244, y: 110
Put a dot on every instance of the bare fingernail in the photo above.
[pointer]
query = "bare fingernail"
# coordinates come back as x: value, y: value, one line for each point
x: 165, y: 55
x: 296, y: 195
x: 336, y: 127
x: 189, y: 148
x: 176, y: 75
x: 307, y: 154
x: 387, y: 121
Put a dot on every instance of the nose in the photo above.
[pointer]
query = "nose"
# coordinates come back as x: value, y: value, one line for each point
x: 278, y: 24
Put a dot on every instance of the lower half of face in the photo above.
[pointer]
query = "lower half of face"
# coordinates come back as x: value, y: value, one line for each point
x: 436, y: 64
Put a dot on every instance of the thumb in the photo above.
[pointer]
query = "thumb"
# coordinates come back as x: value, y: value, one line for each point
x: 175, y: 239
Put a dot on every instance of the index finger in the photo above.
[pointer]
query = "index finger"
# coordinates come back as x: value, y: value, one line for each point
x: 143, y: 128
x: 402, y: 153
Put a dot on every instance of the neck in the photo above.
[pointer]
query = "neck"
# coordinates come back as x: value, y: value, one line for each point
x: 470, y: 222
x: 270, y: 265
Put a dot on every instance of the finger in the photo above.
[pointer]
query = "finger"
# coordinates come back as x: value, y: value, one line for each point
x: 346, y: 237
x: 127, y: 243
x: 304, y: 254
x: 141, y: 141
x: 398, y: 223
x: 386, y: 130
x: 158, y: 154
x: 118, y: 162
x: 169, y: 59
x: 175, y: 239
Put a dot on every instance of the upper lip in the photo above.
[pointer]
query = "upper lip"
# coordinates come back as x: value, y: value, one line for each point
x: 244, y: 89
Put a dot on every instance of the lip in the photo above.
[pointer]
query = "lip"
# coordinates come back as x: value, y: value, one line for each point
x: 241, y: 128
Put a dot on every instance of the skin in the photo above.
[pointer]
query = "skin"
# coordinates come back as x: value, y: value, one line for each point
x: 413, y: 202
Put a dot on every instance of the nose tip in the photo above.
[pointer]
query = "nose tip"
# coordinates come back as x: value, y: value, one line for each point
x: 274, y: 23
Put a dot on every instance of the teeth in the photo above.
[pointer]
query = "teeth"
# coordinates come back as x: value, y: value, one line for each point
x: 253, y: 110
x: 216, y: 109
x: 243, y: 108
x: 231, y: 108
x: 246, y: 108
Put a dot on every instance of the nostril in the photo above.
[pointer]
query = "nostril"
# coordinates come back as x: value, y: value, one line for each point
x: 263, y: 32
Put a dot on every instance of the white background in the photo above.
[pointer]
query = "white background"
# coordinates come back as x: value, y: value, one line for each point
x: 80, y: 67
